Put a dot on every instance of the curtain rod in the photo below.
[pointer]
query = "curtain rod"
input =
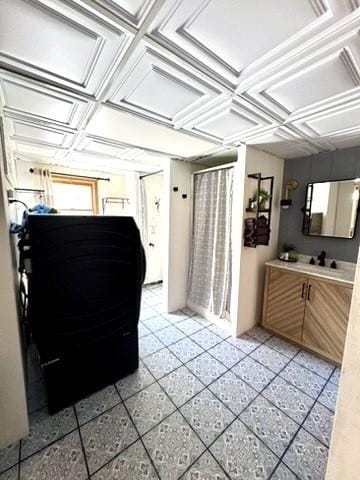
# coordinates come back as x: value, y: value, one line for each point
x: 149, y: 174
x: 32, y: 170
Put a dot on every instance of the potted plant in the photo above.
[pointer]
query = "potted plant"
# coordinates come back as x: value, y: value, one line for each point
x: 288, y: 253
x: 263, y: 195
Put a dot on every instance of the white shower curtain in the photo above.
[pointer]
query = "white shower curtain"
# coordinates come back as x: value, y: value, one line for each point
x: 46, y: 184
x: 210, y: 268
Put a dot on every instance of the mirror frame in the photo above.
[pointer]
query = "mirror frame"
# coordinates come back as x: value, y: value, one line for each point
x: 305, y: 210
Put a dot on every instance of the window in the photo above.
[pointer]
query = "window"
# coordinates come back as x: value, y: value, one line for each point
x: 75, y: 196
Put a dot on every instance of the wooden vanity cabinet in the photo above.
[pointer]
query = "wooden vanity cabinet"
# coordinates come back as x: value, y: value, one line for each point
x: 309, y: 311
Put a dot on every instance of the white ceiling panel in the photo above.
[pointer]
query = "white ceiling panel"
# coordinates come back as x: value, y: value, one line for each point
x: 59, y: 44
x: 131, y: 11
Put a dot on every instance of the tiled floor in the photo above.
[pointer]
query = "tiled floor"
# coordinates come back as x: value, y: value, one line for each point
x: 201, y: 406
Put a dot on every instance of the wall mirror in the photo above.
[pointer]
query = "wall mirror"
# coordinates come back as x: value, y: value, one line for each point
x: 331, y: 208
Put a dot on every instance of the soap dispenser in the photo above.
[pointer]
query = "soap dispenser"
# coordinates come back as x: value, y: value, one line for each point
x: 312, y: 261
x: 333, y: 264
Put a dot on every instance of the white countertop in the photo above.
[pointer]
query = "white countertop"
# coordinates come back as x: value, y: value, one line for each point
x: 345, y: 273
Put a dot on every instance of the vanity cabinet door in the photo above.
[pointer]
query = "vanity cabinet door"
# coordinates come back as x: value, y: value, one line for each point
x: 326, y: 318
x: 284, y: 302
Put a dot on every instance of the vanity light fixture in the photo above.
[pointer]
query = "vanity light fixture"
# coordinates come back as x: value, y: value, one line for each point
x: 290, y: 186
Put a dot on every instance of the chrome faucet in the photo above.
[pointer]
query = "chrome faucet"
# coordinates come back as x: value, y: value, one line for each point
x: 321, y: 258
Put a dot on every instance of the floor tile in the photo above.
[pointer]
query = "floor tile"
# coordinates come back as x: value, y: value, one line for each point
x: 315, y: 364
x: 303, y: 379
x: 226, y: 354
x: 289, y: 399
x: 219, y: 331
x: 45, y: 429
x: 270, y: 424
x: 283, y: 473
x: 148, y: 407
x: 173, y: 446
x: 154, y: 300
x: 185, y: 349
x: 245, y: 343
x: 132, y: 464
x: 181, y: 385
x: 320, y: 423
x: 9, y: 456
x: 148, y: 345
x: 307, y: 457
x: 232, y: 391
x: 143, y: 330
x: 11, y: 474
x: 328, y: 396
x: 92, y: 406
x: 254, y: 373
x: 169, y: 335
x: 156, y: 323
x: 242, y: 455
x: 207, y: 415
x: 146, y: 313
x: 205, y: 468
x: 206, y: 368
x: 283, y: 347
x: 271, y: 359
x: 202, y: 320
x: 206, y: 339
x: 106, y: 436
x: 175, y: 317
x: 187, y: 311
x: 161, y: 363
x: 189, y: 326
x: 335, y: 377
x: 60, y: 461
x: 259, y: 333
x: 135, y: 382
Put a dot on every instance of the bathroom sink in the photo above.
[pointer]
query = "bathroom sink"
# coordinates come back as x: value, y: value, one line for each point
x: 319, y: 270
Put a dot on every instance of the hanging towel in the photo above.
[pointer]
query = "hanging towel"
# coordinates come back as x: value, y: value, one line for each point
x: 250, y: 232
x: 262, y: 231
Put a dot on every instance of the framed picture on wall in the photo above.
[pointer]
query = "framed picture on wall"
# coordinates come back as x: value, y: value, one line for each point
x: 8, y: 161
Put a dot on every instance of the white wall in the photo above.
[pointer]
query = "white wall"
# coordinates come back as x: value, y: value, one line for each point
x: 344, y: 451
x: 13, y: 410
x: 249, y: 263
x: 119, y: 185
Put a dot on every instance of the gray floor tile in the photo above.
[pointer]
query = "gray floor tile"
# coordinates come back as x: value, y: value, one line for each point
x: 185, y: 349
x: 11, y: 474
x: 189, y: 326
x: 206, y: 339
x: 307, y: 457
x: 315, y: 364
x: 242, y: 455
x: 132, y: 464
x: 219, y: 331
x: 289, y: 399
x: 283, y: 347
x: 94, y: 405
x: 259, y: 333
x: 175, y: 317
x: 45, y: 428
x: 60, y: 461
x: 246, y: 343
x: 271, y: 359
x: 161, y: 363
x: 148, y: 345
x: 270, y: 424
x: 146, y: 313
x: 283, y: 473
x: 156, y: 323
x: 9, y: 456
x: 169, y: 335
x: 206, y: 368
x: 304, y: 379
x: 106, y: 436
x: 173, y: 446
x: 181, y: 385
x: 203, y: 321
x: 232, y: 391
x: 135, y: 382
x: 328, y: 396
x: 254, y: 373
x: 207, y: 415
x: 148, y: 407
x: 205, y: 468
x: 335, y: 377
x: 320, y: 423
x: 143, y: 330
x: 187, y: 311
x: 226, y: 354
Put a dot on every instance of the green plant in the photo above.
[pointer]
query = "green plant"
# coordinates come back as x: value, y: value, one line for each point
x: 288, y: 247
x: 264, y: 195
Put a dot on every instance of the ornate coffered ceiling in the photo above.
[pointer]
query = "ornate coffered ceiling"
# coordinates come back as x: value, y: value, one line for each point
x: 126, y: 83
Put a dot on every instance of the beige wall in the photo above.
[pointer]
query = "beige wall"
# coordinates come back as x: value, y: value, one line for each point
x: 13, y: 410
x: 344, y: 462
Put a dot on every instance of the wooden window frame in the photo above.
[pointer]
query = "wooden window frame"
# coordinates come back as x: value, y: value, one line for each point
x: 74, y: 180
